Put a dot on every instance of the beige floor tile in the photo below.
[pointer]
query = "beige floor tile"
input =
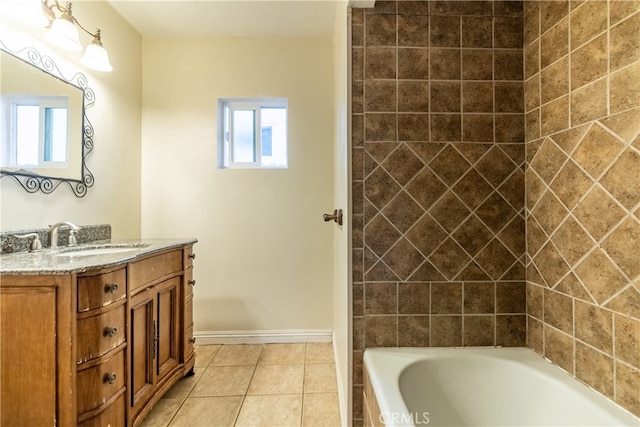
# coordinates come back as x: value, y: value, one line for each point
x: 320, y: 378
x: 207, y: 412
x: 274, y: 392
x: 320, y: 410
x: 162, y: 413
x: 182, y: 388
x: 223, y: 381
x: 271, y: 411
x: 237, y: 354
x: 277, y: 379
x: 204, y: 354
x: 320, y: 352
x: 282, y: 354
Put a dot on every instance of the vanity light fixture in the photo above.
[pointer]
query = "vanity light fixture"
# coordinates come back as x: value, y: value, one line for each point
x: 63, y: 30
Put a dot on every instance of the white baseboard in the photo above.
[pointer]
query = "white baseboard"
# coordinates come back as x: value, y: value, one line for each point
x: 263, y: 337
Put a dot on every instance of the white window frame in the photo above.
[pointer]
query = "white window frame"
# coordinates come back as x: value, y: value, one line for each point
x: 10, y: 103
x: 225, y: 131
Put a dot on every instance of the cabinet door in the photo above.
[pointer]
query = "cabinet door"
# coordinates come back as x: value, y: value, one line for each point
x: 35, y: 363
x: 142, y: 342
x: 168, y: 306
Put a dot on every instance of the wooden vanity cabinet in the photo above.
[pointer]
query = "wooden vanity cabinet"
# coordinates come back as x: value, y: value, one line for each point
x: 153, y: 340
x: 158, y: 287
x: 100, y: 345
x: 37, y: 362
x: 95, y: 348
x: 187, y: 313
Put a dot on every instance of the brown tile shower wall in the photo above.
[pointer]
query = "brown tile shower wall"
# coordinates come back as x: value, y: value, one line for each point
x: 582, y: 99
x: 438, y: 176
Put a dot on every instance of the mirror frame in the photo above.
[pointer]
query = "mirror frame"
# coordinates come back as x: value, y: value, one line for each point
x: 31, y: 181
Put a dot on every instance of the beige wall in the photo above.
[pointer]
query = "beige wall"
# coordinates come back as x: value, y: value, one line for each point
x: 264, y: 257
x: 115, y: 160
x: 582, y: 99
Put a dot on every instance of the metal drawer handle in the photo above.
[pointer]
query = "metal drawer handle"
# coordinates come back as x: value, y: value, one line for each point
x: 193, y: 340
x: 110, y: 378
x: 192, y: 282
x: 110, y: 331
x: 111, y: 288
x: 192, y: 256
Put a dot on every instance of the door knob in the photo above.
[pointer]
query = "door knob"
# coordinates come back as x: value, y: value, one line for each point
x: 337, y: 216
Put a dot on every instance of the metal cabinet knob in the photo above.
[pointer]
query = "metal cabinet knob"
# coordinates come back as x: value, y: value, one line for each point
x: 110, y: 378
x: 192, y: 282
x: 110, y: 331
x: 193, y: 340
x: 192, y: 256
x: 111, y: 288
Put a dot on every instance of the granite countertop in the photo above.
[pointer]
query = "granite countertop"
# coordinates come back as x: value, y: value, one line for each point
x: 61, y: 261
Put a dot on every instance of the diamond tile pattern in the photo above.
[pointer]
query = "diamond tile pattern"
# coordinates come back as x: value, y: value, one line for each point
x: 403, y: 211
x: 597, y: 140
x: 426, y: 188
x: 571, y: 184
x: 586, y: 206
x: 449, y: 165
x: 437, y: 210
x: 426, y: 235
x: 403, y: 259
x: 495, y: 166
x: 449, y: 211
x: 466, y: 210
x: 402, y: 164
x: 380, y: 188
x: 472, y: 189
x: 472, y: 235
x: 548, y: 160
x: 583, y: 190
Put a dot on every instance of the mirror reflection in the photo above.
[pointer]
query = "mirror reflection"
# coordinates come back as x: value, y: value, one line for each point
x: 38, y: 113
x: 44, y: 133
x: 36, y: 131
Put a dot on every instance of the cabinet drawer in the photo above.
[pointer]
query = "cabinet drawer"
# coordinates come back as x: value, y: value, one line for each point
x: 188, y: 312
x: 149, y: 269
x: 99, y: 334
x: 98, y: 384
x: 189, y: 283
x: 113, y: 416
x: 188, y: 342
x: 189, y: 256
x: 101, y: 290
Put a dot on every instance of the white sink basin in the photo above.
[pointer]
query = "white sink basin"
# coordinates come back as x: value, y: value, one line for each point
x: 100, y: 250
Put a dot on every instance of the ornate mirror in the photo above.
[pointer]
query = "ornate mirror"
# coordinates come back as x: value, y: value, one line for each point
x: 45, y: 134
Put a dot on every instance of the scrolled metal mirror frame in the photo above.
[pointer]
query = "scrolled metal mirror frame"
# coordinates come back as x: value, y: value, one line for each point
x: 31, y: 181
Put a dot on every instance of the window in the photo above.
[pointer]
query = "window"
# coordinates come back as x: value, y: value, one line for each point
x: 36, y: 131
x: 252, y: 133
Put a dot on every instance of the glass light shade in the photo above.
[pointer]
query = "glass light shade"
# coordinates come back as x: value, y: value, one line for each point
x: 64, y: 33
x: 96, y: 58
x: 26, y: 11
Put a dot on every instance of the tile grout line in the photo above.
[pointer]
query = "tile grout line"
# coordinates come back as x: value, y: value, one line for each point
x: 244, y: 397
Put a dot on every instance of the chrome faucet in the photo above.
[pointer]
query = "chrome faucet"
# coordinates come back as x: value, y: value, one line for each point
x: 53, y: 233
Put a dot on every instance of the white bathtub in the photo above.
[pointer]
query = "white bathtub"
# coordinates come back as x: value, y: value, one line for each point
x: 479, y: 387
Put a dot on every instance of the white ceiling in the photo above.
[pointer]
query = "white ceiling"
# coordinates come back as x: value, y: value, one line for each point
x: 310, y: 19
